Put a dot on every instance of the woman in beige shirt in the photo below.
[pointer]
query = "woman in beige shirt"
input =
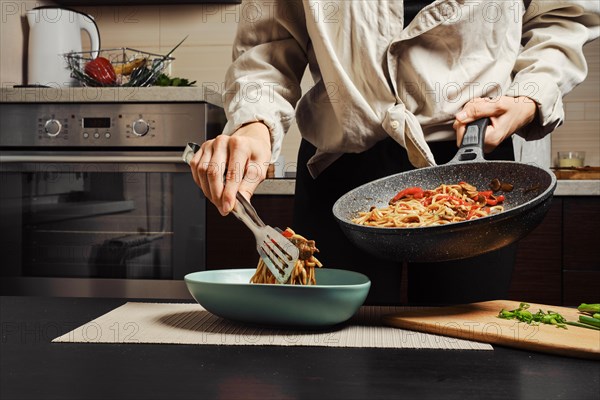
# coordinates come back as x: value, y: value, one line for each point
x: 395, y: 84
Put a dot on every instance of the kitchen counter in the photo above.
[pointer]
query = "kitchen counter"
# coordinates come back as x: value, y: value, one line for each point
x: 108, y: 95
x: 32, y: 367
x: 563, y: 187
x: 277, y: 186
x: 577, y: 188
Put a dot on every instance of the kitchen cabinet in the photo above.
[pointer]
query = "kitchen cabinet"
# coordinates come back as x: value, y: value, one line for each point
x: 557, y: 263
x: 139, y: 2
x: 581, y: 250
x: 537, y: 276
x: 230, y: 244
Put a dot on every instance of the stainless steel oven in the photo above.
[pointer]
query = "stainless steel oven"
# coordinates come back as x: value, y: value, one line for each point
x: 96, y: 201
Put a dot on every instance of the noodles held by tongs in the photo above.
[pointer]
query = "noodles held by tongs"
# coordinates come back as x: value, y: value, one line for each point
x: 304, y: 270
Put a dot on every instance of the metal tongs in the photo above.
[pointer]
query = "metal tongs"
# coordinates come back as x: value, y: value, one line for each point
x: 278, y: 253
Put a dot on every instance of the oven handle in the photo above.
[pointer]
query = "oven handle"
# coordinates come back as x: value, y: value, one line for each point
x: 89, y: 159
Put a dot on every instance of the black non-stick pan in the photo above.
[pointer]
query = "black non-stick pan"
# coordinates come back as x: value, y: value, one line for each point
x: 525, y: 207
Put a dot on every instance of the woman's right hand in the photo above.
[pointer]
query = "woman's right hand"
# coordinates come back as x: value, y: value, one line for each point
x: 244, y: 157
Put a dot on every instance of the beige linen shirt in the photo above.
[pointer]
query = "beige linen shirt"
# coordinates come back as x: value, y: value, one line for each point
x: 376, y: 78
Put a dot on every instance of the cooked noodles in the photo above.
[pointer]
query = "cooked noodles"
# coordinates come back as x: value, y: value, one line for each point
x: 304, y: 270
x: 414, y: 207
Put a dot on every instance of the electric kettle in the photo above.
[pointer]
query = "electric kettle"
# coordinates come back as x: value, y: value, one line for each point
x: 54, y: 31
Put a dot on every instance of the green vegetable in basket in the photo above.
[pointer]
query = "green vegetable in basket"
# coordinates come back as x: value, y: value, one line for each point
x: 165, y: 80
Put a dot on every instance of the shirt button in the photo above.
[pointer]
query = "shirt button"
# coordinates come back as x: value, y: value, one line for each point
x: 395, y: 124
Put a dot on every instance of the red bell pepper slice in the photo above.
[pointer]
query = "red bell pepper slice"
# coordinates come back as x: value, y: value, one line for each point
x: 415, y: 192
x: 492, y: 201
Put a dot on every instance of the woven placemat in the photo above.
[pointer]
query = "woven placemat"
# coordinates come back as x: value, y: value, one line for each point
x: 169, y: 323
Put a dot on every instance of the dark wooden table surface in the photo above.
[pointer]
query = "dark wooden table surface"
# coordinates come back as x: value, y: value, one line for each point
x: 33, y: 368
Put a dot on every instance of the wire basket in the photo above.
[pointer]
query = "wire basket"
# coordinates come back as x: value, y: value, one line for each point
x: 126, y: 67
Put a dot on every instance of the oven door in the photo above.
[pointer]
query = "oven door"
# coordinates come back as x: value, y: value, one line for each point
x: 99, y: 224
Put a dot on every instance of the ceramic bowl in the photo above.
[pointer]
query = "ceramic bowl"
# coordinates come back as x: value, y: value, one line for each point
x: 335, y: 298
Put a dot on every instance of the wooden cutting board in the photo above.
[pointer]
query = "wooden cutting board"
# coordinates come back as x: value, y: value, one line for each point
x: 479, y: 322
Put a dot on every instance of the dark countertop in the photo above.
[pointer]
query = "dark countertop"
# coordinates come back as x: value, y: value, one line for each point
x: 31, y: 367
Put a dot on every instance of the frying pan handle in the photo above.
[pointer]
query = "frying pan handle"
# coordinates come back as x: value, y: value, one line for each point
x: 471, y: 148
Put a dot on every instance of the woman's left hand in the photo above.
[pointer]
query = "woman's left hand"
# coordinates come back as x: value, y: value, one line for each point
x: 507, y: 115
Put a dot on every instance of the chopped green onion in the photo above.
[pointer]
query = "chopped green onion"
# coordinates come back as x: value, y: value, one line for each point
x: 589, y: 320
x: 579, y: 324
x: 524, y: 315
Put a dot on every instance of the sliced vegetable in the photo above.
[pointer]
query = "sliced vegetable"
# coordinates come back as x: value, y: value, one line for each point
x: 415, y: 192
x: 579, y: 324
x: 287, y: 233
x: 590, y: 317
x: 492, y: 201
x: 524, y: 315
x: 584, y: 319
x: 589, y: 308
x: 496, y: 185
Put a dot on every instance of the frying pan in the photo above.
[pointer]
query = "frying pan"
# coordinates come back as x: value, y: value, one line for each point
x: 524, y: 207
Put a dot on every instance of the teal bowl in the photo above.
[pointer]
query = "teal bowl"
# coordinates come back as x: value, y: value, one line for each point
x: 335, y: 298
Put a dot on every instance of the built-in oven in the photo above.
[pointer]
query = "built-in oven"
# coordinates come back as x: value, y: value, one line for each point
x: 95, y: 199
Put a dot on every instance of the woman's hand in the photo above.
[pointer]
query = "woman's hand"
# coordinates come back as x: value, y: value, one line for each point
x: 244, y: 157
x: 507, y: 115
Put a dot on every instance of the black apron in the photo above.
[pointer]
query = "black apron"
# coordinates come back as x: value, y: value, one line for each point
x: 485, y: 277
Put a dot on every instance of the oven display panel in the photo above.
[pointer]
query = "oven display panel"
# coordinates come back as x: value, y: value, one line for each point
x: 96, y: 122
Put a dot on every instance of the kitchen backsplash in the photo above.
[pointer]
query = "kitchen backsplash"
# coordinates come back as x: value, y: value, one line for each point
x: 206, y: 53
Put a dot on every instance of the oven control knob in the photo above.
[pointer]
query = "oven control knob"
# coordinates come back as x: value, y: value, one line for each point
x: 140, y: 127
x: 52, y: 127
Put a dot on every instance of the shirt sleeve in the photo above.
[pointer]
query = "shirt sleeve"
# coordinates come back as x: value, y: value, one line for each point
x: 269, y: 59
x: 552, y: 62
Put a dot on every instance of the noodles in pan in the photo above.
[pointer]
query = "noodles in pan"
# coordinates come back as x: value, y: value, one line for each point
x: 304, y: 270
x: 414, y: 207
